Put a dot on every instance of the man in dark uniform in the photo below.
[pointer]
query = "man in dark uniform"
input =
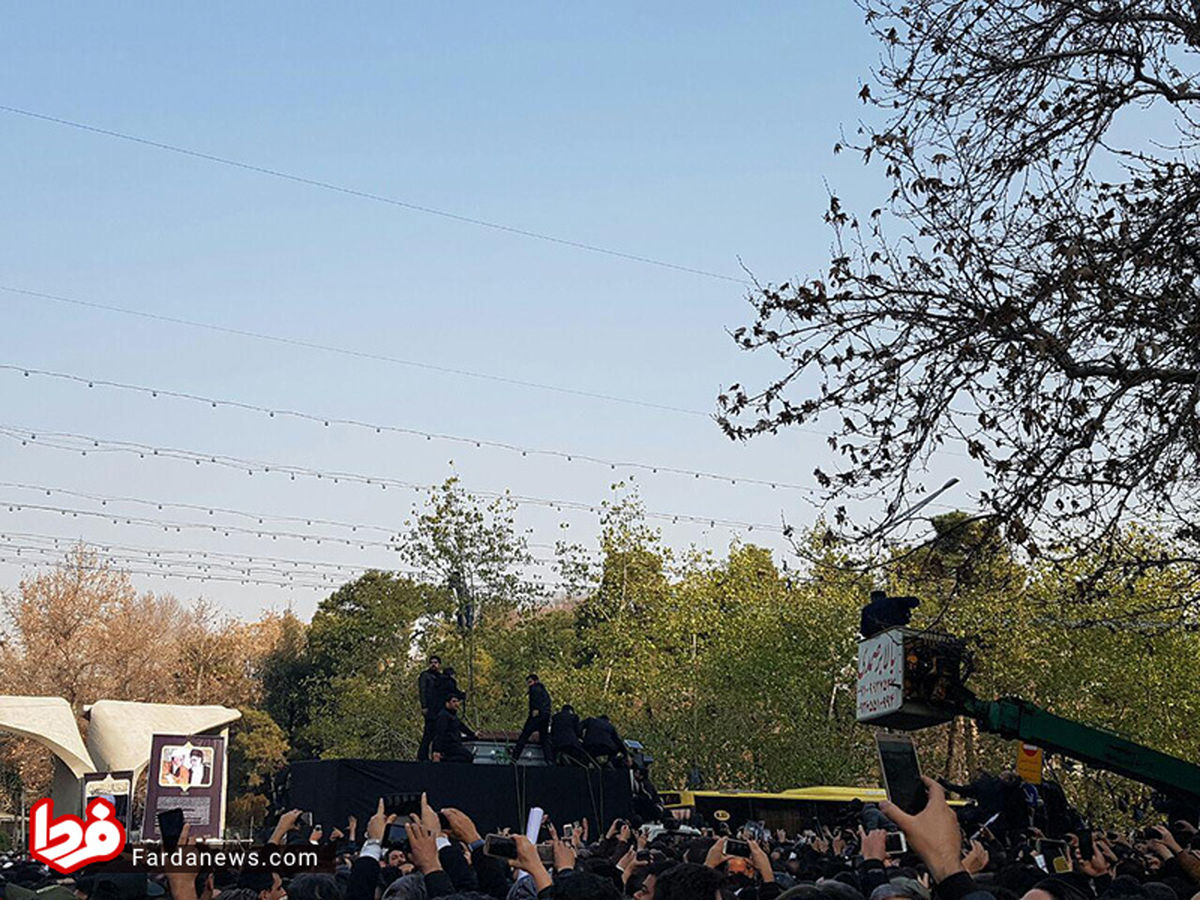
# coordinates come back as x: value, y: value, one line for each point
x: 429, y: 690
x: 538, y: 720
x: 601, y: 741
x: 450, y: 731
x: 565, y: 734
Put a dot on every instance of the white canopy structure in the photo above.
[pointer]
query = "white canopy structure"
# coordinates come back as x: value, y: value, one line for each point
x: 118, y: 735
x: 51, y: 722
x: 119, y: 731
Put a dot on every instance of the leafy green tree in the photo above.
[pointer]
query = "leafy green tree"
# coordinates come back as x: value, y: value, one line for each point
x: 360, y: 669
x: 258, y: 750
x: 1111, y: 655
x: 284, y: 678
x: 474, y: 553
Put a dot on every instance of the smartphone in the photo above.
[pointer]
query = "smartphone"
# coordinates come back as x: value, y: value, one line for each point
x: 568, y: 831
x: 737, y: 848
x: 170, y: 827
x: 1087, y: 849
x: 896, y: 844
x: 306, y: 819
x: 984, y: 826
x: 545, y: 853
x: 643, y: 856
x: 396, y: 837
x: 402, y: 805
x: 901, y: 772
x: 500, y: 846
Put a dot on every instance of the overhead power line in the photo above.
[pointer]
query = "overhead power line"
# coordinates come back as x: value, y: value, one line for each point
x: 211, y: 510
x: 27, y: 548
x: 150, y: 565
x: 378, y: 198
x: 35, y: 557
x: 179, y: 527
x: 194, y: 555
x: 85, y: 444
x: 260, y: 518
x: 279, y: 412
x: 222, y: 530
x: 350, y: 351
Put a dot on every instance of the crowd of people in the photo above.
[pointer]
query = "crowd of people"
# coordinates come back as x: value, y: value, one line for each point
x: 949, y: 854
x: 563, y: 737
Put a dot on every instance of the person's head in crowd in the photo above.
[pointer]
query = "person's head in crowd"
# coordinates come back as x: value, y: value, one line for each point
x: 1159, y: 890
x: 688, y: 881
x: 435, y: 664
x: 223, y: 879
x: 449, y: 672
x: 395, y: 858
x: 1182, y: 888
x: 454, y: 700
x: 838, y: 889
x: 409, y: 887
x: 1059, y: 887
x: 641, y: 885
x: 531, y: 679
x: 266, y: 884
x: 1124, y: 887
x: 601, y: 868
x: 585, y: 886
x: 900, y: 889
x: 1018, y: 878
x: 315, y: 886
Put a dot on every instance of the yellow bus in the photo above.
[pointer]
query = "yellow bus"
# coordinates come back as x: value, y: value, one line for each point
x: 794, y: 810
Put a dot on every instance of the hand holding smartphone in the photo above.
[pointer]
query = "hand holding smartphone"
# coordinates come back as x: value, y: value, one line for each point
x: 737, y: 848
x: 901, y: 772
x: 170, y: 827
x: 501, y: 846
x: 396, y: 837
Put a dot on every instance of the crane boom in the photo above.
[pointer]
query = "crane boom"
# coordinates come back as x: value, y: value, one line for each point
x: 1016, y: 719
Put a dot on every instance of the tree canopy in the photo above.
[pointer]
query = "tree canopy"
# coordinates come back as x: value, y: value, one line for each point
x: 1028, y: 289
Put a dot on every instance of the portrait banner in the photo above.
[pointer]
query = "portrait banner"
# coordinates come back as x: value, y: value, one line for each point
x: 187, y: 773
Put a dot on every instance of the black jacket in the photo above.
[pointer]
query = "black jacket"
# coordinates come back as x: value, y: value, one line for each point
x: 429, y: 684
x: 447, y: 686
x: 600, y: 736
x: 450, y: 731
x: 539, y: 700
x: 565, y: 730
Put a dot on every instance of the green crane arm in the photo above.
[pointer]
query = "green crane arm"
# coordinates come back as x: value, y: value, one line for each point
x: 1017, y: 719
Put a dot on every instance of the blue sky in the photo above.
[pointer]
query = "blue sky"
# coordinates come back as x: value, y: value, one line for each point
x: 696, y: 133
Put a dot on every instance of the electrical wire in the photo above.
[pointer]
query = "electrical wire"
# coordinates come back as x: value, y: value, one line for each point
x: 224, y: 530
x: 211, y: 510
x: 327, y: 421
x: 369, y: 195
x: 177, y: 567
x: 168, y: 526
x: 350, y: 351
x: 19, y: 558
x: 260, y: 518
x: 194, y: 555
x: 84, y: 444
x: 202, y: 561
